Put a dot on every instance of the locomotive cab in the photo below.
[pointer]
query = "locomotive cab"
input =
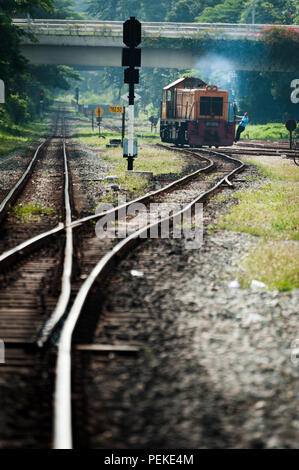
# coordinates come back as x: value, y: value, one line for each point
x: 196, y: 114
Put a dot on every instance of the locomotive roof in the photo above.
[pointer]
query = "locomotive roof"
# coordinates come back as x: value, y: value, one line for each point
x: 192, y: 80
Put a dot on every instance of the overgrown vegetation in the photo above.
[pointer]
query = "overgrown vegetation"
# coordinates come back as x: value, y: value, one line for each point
x: 270, y: 211
x: 13, y: 137
x: 271, y: 131
x: 275, y: 169
x: 23, y: 82
x: 274, y: 263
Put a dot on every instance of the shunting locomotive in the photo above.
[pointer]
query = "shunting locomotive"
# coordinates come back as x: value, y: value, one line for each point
x: 196, y: 114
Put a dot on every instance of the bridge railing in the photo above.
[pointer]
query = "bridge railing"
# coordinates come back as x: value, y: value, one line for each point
x: 160, y: 29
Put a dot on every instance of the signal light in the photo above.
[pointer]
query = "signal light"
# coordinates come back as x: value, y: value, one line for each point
x: 132, y: 32
x: 131, y: 57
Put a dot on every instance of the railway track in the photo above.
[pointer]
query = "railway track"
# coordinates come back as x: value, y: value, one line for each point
x: 84, y: 262
x: 284, y: 145
x: 21, y: 305
x: 259, y: 148
x: 28, y: 283
x: 40, y: 182
x: 85, y: 306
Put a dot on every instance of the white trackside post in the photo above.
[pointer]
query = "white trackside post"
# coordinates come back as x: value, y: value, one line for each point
x: 131, y: 131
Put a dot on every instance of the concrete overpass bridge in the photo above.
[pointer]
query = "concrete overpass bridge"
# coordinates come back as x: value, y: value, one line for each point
x: 93, y: 44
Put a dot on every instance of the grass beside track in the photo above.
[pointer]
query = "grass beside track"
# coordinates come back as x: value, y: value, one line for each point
x: 270, y: 131
x: 15, y: 137
x: 271, y: 213
x: 156, y: 160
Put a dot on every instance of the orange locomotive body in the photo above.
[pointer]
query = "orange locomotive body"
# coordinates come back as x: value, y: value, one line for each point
x: 196, y: 114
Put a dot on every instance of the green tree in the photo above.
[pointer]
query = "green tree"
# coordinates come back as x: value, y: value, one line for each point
x: 21, y: 79
x: 13, y: 7
x: 156, y: 10
x: 80, y: 5
x: 151, y: 83
x: 273, y: 11
x: 62, y: 9
x: 181, y: 12
x: 185, y: 11
x: 144, y: 10
x: 228, y: 11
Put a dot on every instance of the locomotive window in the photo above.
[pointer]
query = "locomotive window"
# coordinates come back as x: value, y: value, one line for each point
x: 211, y: 105
x: 169, y: 95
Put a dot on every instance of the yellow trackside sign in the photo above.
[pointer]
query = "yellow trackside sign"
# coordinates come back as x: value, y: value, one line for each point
x: 99, y: 111
x: 115, y: 109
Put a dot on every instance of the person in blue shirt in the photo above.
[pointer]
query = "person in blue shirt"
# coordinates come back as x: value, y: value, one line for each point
x: 243, y: 123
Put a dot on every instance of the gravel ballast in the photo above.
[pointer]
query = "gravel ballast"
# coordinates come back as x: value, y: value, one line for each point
x: 215, y: 367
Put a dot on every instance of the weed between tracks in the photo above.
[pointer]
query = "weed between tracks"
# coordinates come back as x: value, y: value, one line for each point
x: 271, y: 213
x: 156, y: 160
x: 29, y: 212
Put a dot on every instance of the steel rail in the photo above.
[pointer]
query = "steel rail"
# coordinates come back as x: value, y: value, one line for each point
x: 17, y: 186
x: 7, y: 257
x: 13, y: 193
x: 261, y: 151
x: 152, y: 194
x: 29, y: 245
x: 65, y: 292
x: 62, y: 412
x: 10, y: 256
x: 63, y: 438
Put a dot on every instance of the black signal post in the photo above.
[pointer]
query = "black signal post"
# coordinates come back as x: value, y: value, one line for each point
x: 99, y: 120
x: 131, y: 58
x: 291, y: 126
